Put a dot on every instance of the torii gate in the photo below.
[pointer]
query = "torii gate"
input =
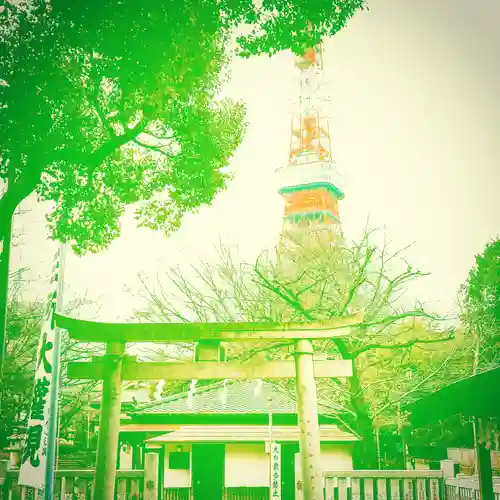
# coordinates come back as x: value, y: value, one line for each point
x: 115, y: 366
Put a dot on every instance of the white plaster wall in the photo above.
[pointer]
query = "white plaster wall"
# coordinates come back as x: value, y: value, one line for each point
x: 126, y: 458
x: 246, y: 465
x: 333, y: 457
x: 177, y: 478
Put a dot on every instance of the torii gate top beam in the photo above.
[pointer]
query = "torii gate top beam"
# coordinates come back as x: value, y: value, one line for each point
x: 91, y: 331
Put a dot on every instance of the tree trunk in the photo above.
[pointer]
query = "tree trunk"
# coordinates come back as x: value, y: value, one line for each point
x: 365, y: 451
x: 16, y: 192
x: 5, y: 241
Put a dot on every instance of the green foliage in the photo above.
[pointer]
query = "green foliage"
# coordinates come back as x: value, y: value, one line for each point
x: 16, y: 389
x: 455, y: 432
x: 481, y: 304
x: 105, y: 105
x: 295, y: 25
x: 84, y: 80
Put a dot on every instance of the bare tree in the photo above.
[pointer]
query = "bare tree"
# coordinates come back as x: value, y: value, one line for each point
x: 397, y: 352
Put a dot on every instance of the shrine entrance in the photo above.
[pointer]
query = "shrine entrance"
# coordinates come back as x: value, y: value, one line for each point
x: 115, y: 367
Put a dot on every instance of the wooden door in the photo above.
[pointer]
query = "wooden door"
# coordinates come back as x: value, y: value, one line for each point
x: 288, y: 451
x: 208, y: 471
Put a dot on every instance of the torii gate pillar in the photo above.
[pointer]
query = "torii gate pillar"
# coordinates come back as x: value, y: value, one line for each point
x: 109, y: 424
x: 307, y: 411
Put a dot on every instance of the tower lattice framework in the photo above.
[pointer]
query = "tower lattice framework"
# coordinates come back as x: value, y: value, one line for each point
x: 310, y: 184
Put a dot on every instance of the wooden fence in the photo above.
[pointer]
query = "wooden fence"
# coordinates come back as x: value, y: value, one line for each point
x: 237, y: 493
x: 384, y: 485
x: 76, y: 485
x: 246, y: 493
x: 178, y: 494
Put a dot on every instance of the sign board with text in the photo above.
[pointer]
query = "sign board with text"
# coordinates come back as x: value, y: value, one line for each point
x: 275, y: 493
x: 34, y: 456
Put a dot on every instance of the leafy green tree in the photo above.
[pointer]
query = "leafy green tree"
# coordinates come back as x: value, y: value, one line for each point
x: 23, y: 333
x: 399, y: 344
x: 481, y: 306
x: 104, y: 105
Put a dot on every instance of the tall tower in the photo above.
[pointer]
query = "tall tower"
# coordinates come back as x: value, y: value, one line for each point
x: 310, y: 187
x: 310, y: 184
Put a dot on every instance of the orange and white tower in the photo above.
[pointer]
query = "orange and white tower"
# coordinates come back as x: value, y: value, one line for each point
x: 310, y: 184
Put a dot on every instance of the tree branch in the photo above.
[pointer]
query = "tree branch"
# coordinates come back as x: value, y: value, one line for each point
x: 397, y: 317
x: 403, y: 345
x: 416, y: 386
x: 361, y: 278
x: 256, y: 350
x: 157, y: 149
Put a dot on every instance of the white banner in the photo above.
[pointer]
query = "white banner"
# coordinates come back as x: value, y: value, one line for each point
x: 275, y: 471
x: 34, y: 457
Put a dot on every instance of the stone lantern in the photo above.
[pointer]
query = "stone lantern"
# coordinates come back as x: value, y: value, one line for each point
x: 15, y: 448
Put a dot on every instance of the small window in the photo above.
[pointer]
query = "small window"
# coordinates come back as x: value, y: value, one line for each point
x: 178, y: 460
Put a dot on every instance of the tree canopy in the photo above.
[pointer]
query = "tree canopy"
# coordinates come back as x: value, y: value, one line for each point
x: 106, y: 104
x: 481, y: 304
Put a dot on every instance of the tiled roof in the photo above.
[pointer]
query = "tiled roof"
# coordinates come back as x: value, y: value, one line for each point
x: 233, y: 397
x: 248, y: 433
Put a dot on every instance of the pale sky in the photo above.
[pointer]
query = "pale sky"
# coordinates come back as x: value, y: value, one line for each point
x: 415, y: 114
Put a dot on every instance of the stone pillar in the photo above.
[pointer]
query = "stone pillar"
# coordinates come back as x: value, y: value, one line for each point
x: 109, y: 425
x: 448, y: 468
x: 151, y: 476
